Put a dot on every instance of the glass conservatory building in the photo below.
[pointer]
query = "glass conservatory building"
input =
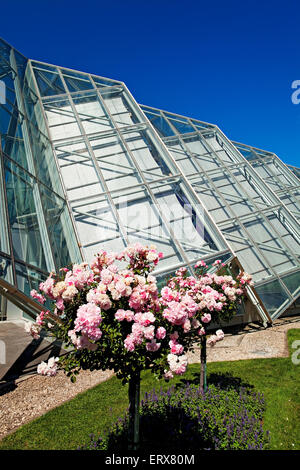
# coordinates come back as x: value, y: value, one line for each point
x: 84, y: 167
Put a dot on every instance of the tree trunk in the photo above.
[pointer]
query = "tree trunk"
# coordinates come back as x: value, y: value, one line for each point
x: 134, y: 416
x: 203, y: 382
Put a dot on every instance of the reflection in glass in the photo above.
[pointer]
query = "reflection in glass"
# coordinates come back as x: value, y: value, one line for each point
x: 23, y: 217
x: 292, y: 282
x: 272, y: 295
x: 6, y: 269
x: 61, y: 233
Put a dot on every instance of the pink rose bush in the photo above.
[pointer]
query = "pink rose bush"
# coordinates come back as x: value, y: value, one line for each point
x: 109, y: 316
x: 113, y: 317
x: 193, y: 303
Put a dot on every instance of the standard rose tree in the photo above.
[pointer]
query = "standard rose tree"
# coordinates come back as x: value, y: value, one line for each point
x: 112, y: 317
x: 108, y: 317
x: 194, y: 302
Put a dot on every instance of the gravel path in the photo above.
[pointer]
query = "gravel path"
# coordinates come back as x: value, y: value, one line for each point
x: 36, y: 395
x: 251, y: 344
x: 30, y: 398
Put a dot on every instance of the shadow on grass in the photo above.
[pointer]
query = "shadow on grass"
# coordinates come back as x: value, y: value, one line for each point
x: 224, y: 381
x: 166, y: 432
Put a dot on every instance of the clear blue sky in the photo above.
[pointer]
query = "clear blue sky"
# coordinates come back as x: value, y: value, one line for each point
x: 231, y: 63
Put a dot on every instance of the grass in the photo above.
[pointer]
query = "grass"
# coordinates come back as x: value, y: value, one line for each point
x: 69, y: 425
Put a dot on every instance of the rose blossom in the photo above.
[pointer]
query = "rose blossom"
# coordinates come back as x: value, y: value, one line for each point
x: 206, y: 318
x: 69, y: 293
x: 152, y: 346
x: 220, y: 334
x: 35, y: 295
x: 50, y: 368
x: 148, y: 332
x: 160, y: 333
x: 33, y: 329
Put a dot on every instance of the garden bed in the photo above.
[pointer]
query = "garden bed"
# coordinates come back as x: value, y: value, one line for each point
x: 94, y: 411
x: 226, y: 417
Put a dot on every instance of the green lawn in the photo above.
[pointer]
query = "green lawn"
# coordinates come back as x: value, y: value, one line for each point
x: 69, y: 425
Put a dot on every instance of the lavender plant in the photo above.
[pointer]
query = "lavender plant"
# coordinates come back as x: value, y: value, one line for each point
x: 187, y: 418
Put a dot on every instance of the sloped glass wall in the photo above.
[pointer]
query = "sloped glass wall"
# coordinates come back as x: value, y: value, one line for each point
x: 36, y: 234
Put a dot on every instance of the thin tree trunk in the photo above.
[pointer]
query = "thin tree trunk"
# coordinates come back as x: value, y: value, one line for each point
x: 134, y: 415
x: 203, y: 380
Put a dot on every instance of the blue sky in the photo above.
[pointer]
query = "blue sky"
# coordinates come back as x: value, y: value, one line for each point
x: 229, y: 63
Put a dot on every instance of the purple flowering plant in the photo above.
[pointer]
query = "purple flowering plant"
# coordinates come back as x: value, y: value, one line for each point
x: 186, y: 418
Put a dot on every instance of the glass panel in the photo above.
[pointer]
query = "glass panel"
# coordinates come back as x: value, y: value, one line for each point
x: 292, y: 282
x: 61, y: 119
x: 217, y: 145
x: 295, y: 170
x: 186, y: 164
x: 78, y: 170
x: 143, y: 223
x: 201, y: 125
x: 43, y: 67
x: 91, y: 113
x: 61, y: 233
x: 97, y: 226
x: 270, y: 244
x: 28, y: 278
x: 14, y: 147
x: 248, y: 254
x: 248, y: 153
x: 5, y: 50
x: 277, y: 221
x: 76, y: 81
x: 161, y: 125
x: 119, y: 108
x: 273, y: 296
x: 181, y: 125
x: 12, y: 136
x: 211, y: 199
x: 49, y: 83
x: 21, y: 62
x: 4, y: 241
x: 204, y: 159
x: 44, y: 161
x: 148, y: 157
x: 185, y: 219
x: 8, y: 79
x: 23, y: 216
x: 6, y: 269
x: 292, y: 202
x: 32, y: 104
x: 274, y: 170
x: 115, y: 163
x: 232, y: 194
